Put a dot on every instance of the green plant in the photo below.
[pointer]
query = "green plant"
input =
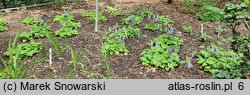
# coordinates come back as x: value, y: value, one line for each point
x: 92, y: 16
x: 210, y: 13
x: 64, y: 32
x: 145, y: 12
x: 234, y: 16
x: 164, y: 19
x: 220, y: 63
x: 15, y: 68
x: 55, y: 43
x: 153, y: 27
x: 187, y: 29
x: 220, y: 30
x: 204, y: 37
x: 132, y: 20
x: 3, y: 25
x: 114, y: 46
x: 40, y: 30
x: 245, y: 50
x: 57, y: 3
x: 114, y: 11
x: 30, y: 21
x: 124, y: 32
x: 25, y: 36
x: 192, y: 6
x: 75, y: 56
x: 62, y: 18
x: 163, y: 52
x: 25, y: 49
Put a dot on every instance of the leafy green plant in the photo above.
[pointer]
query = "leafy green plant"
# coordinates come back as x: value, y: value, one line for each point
x: 64, y: 32
x: 204, y: 37
x: 40, y: 30
x: 132, y: 20
x: 124, y: 32
x: 3, y: 24
x: 25, y: 36
x: 15, y: 68
x: 30, y: 21
x: 153, y: 27
x: 114, y: 46
x: 164, y: 19
x: 220, y: 63
x: 210, y: 13
x: 67, y: 17
x: 163, y: 52
x: 26, y: 49
x: 234, y: 15
x: 187, y: 29
x: 220, y: 30
x: 92, y: 16
x: 114, y: 11
x: 245, y: 50
x: 145, y: 12
x: 192, y: 6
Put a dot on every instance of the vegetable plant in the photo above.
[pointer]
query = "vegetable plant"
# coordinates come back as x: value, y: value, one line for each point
x: 92, y: 15
x: 204, y: 37
x: 220, y: 63
x: 163, y: 52
x: 3, y: 24
x: 14, y: 67
x: 187, y: 29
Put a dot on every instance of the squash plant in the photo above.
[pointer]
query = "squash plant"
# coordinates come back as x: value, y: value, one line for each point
x: 220, y: 63
x: 3, y: 24
x: 163, y: 52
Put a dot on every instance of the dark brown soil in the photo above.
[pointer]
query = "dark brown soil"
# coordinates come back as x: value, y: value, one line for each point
x: 122, y: 66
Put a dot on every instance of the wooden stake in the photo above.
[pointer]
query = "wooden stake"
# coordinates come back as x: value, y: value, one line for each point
x: 202, y: 28
x: 50, y: 57
x: 96, y: 17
